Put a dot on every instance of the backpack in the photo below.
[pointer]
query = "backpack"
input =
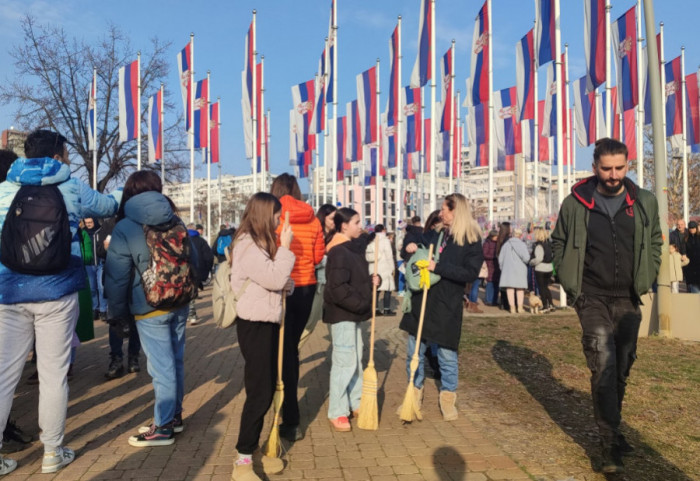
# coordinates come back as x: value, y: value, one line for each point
x: 36, y: 235
x: 547, y: 248
x: 413, y: 272
x: 222, y: 243
x: 171, y: 279
x: 223, y: 299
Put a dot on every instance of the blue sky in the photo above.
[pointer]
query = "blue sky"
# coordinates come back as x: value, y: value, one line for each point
x: 291, y: 34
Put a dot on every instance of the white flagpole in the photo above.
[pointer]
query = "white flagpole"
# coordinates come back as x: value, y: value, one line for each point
x: 218, y: 125
x: 162, y: 135
x: 316, y: 181
x: 422, y: 156
x: 608, y: 71
x: 450, y: 170
x: 262, y: 127
x: 640, y: 100
x: 255, y: 106
x: 191, y: 129
x: 138, y: 112
x: 268, y: 136
x: 536, y: 136
x: 458, y: 125
x: 492, y: 132
x: 662, y: 67
x: 433, y: 126
x: 94, y: 130
x: 400, y: 117
x: 559, y: 107
x: 208, y: 156
x: 684, y: 139
x: 378, y: 201
x: 334, y: 151
x: 567, y: 117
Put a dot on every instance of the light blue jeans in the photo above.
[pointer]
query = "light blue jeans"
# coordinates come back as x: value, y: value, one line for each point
x: 447, y: 358
x: 96, y: 288
x: 163, y: 341
x: 346, y: 369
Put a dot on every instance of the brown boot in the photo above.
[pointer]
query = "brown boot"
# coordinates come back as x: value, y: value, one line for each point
x: 474, y: 308
x: 447, y: 405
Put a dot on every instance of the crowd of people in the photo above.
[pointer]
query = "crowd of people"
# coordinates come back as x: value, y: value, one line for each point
x: 129, y: 260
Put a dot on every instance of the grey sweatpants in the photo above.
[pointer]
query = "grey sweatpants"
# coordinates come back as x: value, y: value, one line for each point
x: 52, y: 323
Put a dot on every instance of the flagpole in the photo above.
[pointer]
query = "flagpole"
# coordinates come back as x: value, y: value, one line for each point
x: 560, y: 103
x: 536, y: 136
x: 492, y: 140
x: 458, y: 125
x: 608, y: 70
x: 433, y: 126
x: 450, y: 171
x: 218, y: 128
x: 662, y: 72
x: 422, y: 156
x: 162, y: 136
x: 94, y: 130
x: 317, y: 173
x: 567, y: 117
x: 640, y: 100
x: 268, y: 137
x: 191, y: 128
x: 399, y: 115
x: 378, y: 201
x: 684, y: 139
x: 334, y: 151
x: 255, y: 106
x: 138, y: 112
x: 263, y: 127
x: 208, y: 156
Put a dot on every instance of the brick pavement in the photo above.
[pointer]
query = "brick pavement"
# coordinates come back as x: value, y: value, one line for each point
x: 103, y: 414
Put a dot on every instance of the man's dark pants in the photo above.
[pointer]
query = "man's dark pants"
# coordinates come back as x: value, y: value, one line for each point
x: 610, y: 329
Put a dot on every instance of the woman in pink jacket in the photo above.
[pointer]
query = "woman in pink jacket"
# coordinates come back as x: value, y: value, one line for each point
x: 264, y: 269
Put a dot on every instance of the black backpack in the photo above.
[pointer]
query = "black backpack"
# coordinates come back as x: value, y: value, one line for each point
x: 36, y: 236
x: 547, y: 248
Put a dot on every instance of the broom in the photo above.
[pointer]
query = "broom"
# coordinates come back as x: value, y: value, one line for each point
x: 409, y: 409
x: 273, y: 447
x: 368, y: 418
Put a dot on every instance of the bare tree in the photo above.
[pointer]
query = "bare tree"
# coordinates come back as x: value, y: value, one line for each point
x: 51, y: 84
x: 674, y: 177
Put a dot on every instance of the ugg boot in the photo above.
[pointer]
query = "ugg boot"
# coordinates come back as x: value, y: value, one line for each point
x: 244, y: 472
x: 447, y: 405
x: 513, y: 310
x: 418, y: 396
x: 268, y: 464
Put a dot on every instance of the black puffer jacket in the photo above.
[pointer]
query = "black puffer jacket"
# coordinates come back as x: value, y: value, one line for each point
x: 457, y: 266
x: 348, y: 292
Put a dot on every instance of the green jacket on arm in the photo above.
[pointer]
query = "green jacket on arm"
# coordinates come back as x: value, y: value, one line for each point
x: 570, y: 236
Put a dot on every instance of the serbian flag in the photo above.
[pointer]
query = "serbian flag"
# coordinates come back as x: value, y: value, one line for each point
x: 351, y: 133
x: 155, y: 139
x: 367, y: 105
x: 549, y: 122
x: 692, y: 134
x: 421, y: 69
x: 447, y: 96
x: 427, y: 148
x: 201, y: 114
x: 595, y: 42
x: 477, y: 130
x: 128, y: 101
x: 318, y: 119
x: 92, y: 114
x: 543, y: 141
x: 525, y: 77
x: 644, y: 61
x: 214, y: 122
x: 184, y: 67
x: 341, y: 144
x: 389, y: 147
x: 674, y: 99
x: 624, y: 40
x: 330, y: 61
x: 413, y: 119
x: 248, y: 66
x: 303, y: 100
x: 585, y: 113
x: 507, y: 126
x: 478, y: 91
x: 411, y: 165
x: 394, y: 103
x: 544, y: 35
x: 630, y: 134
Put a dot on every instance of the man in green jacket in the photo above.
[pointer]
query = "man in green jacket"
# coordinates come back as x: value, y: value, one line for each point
x: 607, y: 251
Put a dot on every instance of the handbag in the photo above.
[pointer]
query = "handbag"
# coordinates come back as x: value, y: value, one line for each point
x: 484, y: 271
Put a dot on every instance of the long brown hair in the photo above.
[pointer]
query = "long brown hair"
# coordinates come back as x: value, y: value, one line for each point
x: 259, y: 222
x: 139, y: 182
x: 285, y: 184
x: 503, y: 236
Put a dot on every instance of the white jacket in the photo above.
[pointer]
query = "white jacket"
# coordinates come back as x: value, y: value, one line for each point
x: 386, y: 265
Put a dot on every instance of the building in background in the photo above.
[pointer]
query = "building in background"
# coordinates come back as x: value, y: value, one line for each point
x: 13, y: 140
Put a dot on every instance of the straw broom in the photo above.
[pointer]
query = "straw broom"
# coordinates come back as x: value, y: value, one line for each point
x: 273, y: 447
x: 368, y: 418
x: 409, y: 409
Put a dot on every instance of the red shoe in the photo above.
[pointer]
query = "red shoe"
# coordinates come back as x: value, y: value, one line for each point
x: 340, y: 424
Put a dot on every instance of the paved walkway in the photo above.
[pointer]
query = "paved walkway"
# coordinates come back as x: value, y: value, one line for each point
x: 103, y: 414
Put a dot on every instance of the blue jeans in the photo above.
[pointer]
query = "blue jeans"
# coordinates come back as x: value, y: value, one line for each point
x: 474, y: 293
x: 346, y: 369
x: 163, y: 341
x: 94, y: 274
x: 694, y: 288
x: 116, y: 342
x: 491, y: 293
x: 447, y: 358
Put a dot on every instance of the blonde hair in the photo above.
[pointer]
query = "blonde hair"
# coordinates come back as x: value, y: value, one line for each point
x: 540, y: 234
x: 464, y: 227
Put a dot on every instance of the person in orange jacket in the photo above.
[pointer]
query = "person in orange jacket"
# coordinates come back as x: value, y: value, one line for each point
x: 309, y: 247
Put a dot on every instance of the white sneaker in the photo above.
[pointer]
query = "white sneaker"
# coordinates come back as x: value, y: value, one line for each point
x: 55, y: 460
x: 193, y: 321
x: 7, y: 465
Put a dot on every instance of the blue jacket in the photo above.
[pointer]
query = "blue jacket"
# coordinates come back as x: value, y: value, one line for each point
x: 81, y: 201
x: 127, y: 249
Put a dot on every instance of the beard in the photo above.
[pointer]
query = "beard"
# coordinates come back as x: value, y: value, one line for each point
x: 610, y: 189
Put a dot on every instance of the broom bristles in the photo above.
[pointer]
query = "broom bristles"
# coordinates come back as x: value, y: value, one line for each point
x: 408, y: 408
x: 273, y: 447
x: 369, y: 412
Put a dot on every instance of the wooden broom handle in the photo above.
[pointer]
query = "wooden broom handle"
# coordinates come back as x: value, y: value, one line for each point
x: 280, y: 347
x: 422, y: 306
x: 374, y: 301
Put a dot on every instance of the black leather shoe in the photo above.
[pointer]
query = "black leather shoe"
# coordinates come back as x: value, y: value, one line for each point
x: 612, y: 461
x: 115, y: 369
x: 134, y: 364
x: 626, y: 448
x: 12, y: 431
x: 378, y: 313
x: 291, y: 433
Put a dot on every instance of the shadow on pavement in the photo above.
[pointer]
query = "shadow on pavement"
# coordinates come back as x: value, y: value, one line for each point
x: 568, y: 407
x: 449, y: 464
